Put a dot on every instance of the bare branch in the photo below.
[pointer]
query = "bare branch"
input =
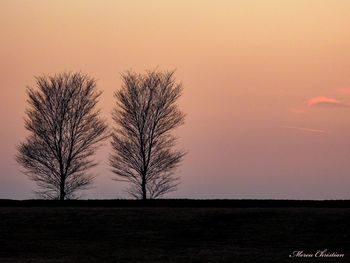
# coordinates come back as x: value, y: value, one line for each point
x: 145, y: 115
x: 65, y: 131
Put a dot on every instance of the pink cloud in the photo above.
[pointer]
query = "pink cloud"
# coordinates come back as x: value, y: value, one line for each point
x: 322, y: 101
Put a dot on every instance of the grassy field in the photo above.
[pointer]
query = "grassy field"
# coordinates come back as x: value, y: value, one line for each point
x: 171, y: 234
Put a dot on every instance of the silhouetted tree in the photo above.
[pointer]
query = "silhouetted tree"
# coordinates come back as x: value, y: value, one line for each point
x: 145, y: 114
x: 65, y: 130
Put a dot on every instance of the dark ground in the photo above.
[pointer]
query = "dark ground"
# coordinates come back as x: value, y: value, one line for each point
x: 172, y: 231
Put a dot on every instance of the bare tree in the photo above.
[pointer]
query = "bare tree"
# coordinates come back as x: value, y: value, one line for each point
x: 143, y: 146
x: 65, y: 130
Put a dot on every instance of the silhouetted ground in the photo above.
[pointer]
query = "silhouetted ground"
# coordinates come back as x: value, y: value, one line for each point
x: 231, y: 231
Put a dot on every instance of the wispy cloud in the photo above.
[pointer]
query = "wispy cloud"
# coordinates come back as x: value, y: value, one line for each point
x: 297, y: 109
x: 322, y: 101
x: 306, y: 129
x: 345, y: 91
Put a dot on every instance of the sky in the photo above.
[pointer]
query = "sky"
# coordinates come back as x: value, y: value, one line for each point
x: 266, y: 87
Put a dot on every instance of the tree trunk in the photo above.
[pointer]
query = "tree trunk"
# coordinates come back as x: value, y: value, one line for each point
x: 144, y: 192
x: 62, y: 193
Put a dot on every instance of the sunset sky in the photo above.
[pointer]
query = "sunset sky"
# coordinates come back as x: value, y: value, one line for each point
x: 266, y: 87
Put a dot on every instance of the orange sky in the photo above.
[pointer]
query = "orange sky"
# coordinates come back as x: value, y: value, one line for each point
x: 266, y: 86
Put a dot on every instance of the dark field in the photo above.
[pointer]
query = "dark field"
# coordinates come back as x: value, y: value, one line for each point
x: 172, y: 234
